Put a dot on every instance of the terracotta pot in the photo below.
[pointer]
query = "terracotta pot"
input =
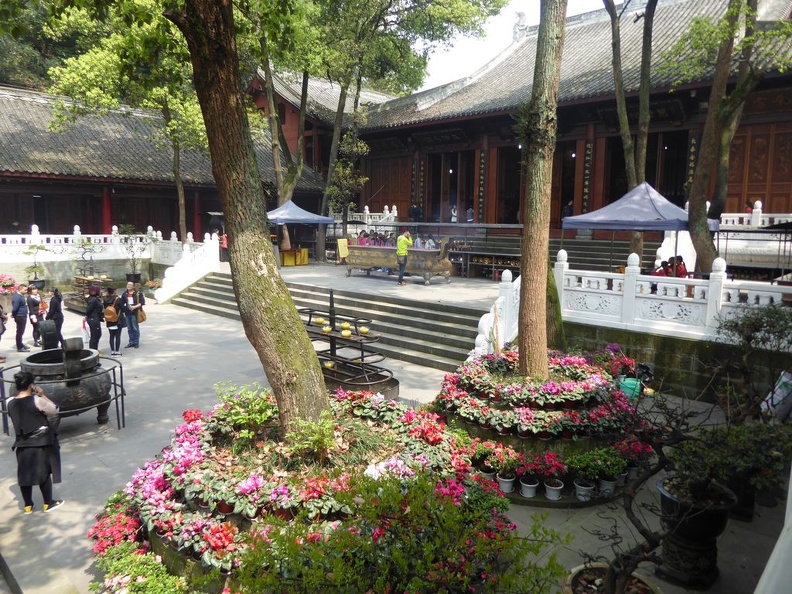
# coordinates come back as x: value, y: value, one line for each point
x: 224, y: 507
x: 572, y: 580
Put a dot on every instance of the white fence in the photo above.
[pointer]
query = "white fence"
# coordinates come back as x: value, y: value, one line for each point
x: 668, y: 306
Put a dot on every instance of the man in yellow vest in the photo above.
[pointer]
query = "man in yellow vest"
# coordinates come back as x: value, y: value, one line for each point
x: 402, y: 243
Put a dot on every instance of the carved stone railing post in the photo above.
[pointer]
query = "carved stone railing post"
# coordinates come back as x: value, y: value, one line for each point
x: 715, y: 291
x: 630, y: 288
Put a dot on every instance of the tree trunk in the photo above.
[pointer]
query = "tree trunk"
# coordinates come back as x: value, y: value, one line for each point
x: 634, y: 154
x: 710, y: 144
x: 321, y: 235
x: 539, y: 130
x: 270, y: 320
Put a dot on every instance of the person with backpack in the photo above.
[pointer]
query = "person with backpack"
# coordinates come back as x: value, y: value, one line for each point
x: 114, y: 320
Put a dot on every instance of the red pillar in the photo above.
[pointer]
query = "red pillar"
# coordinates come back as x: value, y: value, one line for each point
x: 107, y: 214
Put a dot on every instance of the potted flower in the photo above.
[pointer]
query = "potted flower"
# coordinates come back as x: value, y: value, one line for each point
x: 505, y: 460
x: 503, y: 421
x: 610, y: 466
x: 585, y: 467
x: 35, y: 269
x: 153, y: 284
x: 550, y: 467
x: 635, y: 452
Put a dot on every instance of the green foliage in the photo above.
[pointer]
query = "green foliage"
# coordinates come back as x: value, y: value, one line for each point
x: 246, y: 413
x: 704, y: 37
x: 766, y: 328
x: 756, y: 452
x: 311, y: 440
x: 407, y: 536
x: 129, y: 572
x: 602, y: 462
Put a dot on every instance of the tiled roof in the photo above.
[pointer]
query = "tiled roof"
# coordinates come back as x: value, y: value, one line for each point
x: 586, y: 73
x: 323, y: 95
x: 120, y: 145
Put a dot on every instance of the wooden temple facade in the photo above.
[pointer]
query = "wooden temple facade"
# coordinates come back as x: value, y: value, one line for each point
x: 456, y: 145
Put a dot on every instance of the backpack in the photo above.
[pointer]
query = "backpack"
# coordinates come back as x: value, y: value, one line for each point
x: 111, y: 313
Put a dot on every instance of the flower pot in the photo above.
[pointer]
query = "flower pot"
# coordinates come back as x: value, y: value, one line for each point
x: 584, y: 489
x: 506, y: 483
x: 588, y: 577
x: 553, y: 489
x: 528, y: 486
x: 621, y: 480
x: 632, y: 472
x: 526, y: 434
x: 607, y: 487
x: 38, y: 283
x: 690, y: 551
x: 544, y: 435
x: 487, y: 472
x: 133, y: 277
x: 285, y: 514
x: 224, y: 507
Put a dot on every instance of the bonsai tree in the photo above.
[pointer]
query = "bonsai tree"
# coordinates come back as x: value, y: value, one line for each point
x: 35, y: 269
x: 135, y: 243
x: 762, y: 335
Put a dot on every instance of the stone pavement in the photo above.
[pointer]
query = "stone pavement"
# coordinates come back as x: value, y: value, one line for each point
x: 183, y: 353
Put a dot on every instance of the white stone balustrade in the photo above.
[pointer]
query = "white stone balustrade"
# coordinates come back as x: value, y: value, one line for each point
x: 633, y: 301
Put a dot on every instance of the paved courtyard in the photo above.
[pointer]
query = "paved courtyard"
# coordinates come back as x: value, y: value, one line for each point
x: 182, y: 355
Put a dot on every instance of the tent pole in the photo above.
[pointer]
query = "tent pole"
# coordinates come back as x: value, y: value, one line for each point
x: 676, y: 249
x: 610, y: 266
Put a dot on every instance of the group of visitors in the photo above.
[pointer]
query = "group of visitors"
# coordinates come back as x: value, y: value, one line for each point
x: 376, y: 239
x: 416, y: 214
x: 27, y: 305
x: 117, y: 312
x: 425, y: 243
x: 674, y: 266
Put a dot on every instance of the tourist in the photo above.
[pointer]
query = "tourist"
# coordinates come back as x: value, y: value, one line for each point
x: 469, y: 214
x: 132, y: 301
x: 430, y: 243
x: 415, y: 213
x: 94, y: 316
x: 36, y: 443
x: 402, y: 243
x: 569, y: 209
x: 748, y: 207
x: 662, y: 270
x: 55, y: 312
x: 19, y: 311
x: 114, y: 322
x: 681, y: 269
x: 419, y: 242
x: 34, y: 312
x: 3, y: 320
x: 454, y: 214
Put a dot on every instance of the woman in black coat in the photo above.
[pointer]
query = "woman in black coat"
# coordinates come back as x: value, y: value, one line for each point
x: 55, y: 312
x: 36, y: 444
x: 94, y: 315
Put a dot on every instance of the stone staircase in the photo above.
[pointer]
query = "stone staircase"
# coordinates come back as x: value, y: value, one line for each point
x: 431, y: 335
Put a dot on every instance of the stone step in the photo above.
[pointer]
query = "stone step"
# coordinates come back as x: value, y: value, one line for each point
x: 437, y: 336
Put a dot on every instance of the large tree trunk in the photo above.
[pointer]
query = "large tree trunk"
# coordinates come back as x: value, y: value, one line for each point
x: 268, y: 314
x: 719, y: 113
x: 634, y: 154
x: 539, y: 131
x: 321, y: 236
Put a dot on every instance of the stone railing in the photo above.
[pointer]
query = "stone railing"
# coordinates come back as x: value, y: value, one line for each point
x: 681, y: 307
x: 371, y: 219
x: 190, y: 268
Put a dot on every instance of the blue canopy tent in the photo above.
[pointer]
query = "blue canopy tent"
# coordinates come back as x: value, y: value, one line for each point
x: 641, y: 209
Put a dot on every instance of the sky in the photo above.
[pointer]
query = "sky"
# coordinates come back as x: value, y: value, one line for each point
x: 469, y: 54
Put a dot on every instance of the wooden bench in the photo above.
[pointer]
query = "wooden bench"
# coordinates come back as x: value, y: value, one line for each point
x: 426, y: 263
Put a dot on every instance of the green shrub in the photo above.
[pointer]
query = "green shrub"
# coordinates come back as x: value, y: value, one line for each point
x: 421, y: 535
x: 128, y: 572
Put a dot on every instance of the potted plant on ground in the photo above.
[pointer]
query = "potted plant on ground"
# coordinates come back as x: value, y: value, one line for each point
x: 505, y: 460
x: 585, y: 468
x: 135, y: 244
x: 35, y: 269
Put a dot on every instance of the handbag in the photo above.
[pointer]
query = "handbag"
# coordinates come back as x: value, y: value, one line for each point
x: 86, y: 333
x: 401, y: 259
x: 141, y: 316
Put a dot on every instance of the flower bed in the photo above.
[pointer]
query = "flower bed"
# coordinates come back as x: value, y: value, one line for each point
x: 354, y: 499
x: 580, y: 399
